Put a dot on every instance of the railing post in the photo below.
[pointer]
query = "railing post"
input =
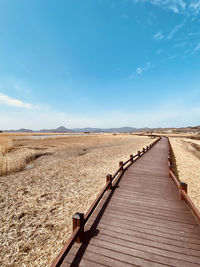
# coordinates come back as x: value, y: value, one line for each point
x: 147, y: 148
x: 169, y: 160
x: 131, y: 157
x: 138, y: 153
x: 183, y: 187
x: 78, y: 220
x: 121, y: 166
x: 143, y: 149
x: 109, y: 179
x: 170, y: 164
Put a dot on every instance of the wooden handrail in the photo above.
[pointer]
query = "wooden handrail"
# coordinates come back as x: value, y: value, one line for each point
x: 182, y: 187
x: 191, y: 204
x: 59, y: 259
x: 174, y: 178
x: 130, y: 159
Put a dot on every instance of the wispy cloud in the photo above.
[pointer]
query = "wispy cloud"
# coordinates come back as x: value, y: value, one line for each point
x: 196, y: 49
x: 174, y: 30
x: 158, y: 36
x: 189, y: 8
x: 140, y: 70
x: 195, y: 6
x: 125, y: 16
x: 175, y: 6
x: 191, y: 34
x: 7, y: 100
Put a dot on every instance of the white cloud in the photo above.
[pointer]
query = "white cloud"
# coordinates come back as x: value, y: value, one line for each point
x: 196, y: 49
x: 191, y: 7
x: 4, y: 99
x: 195, y: 6
x: 175, y: 6
x: 158, y: 36
x: 174, y: 30
x: 140, y: 70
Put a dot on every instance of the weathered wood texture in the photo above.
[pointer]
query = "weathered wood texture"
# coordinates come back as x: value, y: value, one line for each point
x: 141, y: 222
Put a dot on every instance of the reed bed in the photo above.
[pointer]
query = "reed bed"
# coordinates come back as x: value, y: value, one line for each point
x: 13, y: 159
x: 6, y: 144
x: 187, y: 156
x: 37, y: 205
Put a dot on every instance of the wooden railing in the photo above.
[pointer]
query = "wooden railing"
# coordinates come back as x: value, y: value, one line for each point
x: 182, y: 187
x: 80, y: 219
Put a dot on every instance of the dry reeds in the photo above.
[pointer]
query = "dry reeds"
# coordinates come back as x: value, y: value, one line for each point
x: 13, y: 163
x: 37, y: 205
x: 187, y: 155
x: 6, y: 144
x: 13, y: 160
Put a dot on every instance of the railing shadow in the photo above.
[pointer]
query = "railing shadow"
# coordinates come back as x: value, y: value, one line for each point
x: 93, y: 231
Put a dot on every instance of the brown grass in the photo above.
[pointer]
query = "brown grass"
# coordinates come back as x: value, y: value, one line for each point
x: 37, y: 205
x: 187, y: 155
x: 15, y: 159
x: 6, y: 144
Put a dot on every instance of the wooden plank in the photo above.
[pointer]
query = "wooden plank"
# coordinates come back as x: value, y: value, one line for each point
x: 136, y: 253
x: 150, y: 236
x: 154, y: 218
x: 93, y: 258
x: 173, y: 235
x: 162, y: 250
x: 123, y: 259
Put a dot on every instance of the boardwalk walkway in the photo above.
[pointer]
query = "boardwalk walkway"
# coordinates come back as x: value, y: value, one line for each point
x: 142, y: 222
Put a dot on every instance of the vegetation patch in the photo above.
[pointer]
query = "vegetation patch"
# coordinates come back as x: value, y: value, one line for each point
x: 37, y: 205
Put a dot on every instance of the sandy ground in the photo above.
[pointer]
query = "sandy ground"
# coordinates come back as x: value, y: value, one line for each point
x: 187, y: 154
x: 36, y: 205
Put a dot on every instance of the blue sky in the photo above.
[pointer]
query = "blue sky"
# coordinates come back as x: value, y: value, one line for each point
x: 99, y: 63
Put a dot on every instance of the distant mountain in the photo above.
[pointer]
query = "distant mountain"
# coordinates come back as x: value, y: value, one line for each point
x: 109, y: 130
x: 60, y: 129
x: 63, y: 129
x: 22, y: 130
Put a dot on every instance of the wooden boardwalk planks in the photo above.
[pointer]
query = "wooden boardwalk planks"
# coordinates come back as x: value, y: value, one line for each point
x: 141, y: 222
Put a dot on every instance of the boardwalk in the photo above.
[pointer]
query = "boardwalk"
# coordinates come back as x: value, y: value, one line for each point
x: 141, y: 222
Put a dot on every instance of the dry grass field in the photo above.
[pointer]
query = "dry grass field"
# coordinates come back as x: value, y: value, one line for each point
x: 36, y: 204
x: 6, y: 144
x: 18, y: 158
x: 187, y: 154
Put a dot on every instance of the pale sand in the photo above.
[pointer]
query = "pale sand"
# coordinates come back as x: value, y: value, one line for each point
x: 37, y: 205
x: 187, y: 154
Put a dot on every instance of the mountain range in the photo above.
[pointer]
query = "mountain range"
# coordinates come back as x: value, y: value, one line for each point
x: 63, y: 129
